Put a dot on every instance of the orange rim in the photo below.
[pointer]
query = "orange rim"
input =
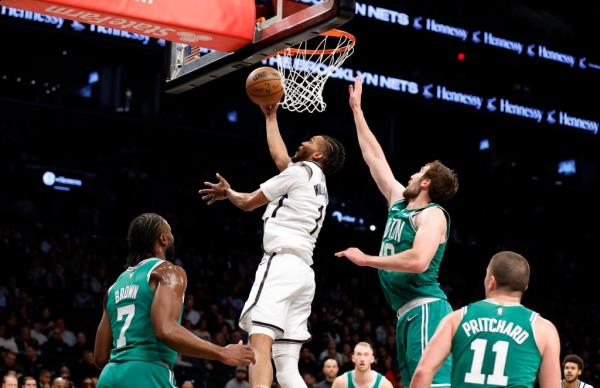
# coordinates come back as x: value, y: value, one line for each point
x: 292, y: 51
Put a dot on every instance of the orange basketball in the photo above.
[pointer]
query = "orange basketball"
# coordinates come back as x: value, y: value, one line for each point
x: 265, y: 86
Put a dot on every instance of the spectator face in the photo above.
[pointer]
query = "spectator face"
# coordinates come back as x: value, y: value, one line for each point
x: 30, y: 353
x: 309, y: 379
x: 330, y: 369
x: 10, y: 359
x: 88, y: 356
x: 29, y: 383
x: 81, y: 340
x: 60, y: 323
x: 37, y: 326
x: 240, y: 374
x: 59, y: 382
x: 88, y: 382
x: 57, y: 335
x: 187, y: 384
x: 571, y: 371
x: 25, y: 334
x: 10, y: 381
x: 45, y: 377
x: 305, y: 353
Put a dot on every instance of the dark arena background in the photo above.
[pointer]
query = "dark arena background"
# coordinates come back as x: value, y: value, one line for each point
x: 505, y: 93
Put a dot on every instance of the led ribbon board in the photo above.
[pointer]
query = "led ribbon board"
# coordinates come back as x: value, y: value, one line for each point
x: 224, y: 25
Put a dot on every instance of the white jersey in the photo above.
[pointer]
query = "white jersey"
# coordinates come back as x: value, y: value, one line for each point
x: 581, y: 384
x: 298, y: 200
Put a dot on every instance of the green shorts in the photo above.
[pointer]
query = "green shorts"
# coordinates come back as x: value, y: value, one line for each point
x: 413, y: 331
x: 136, y: 374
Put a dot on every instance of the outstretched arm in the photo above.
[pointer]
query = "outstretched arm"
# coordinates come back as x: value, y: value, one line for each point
x: 222, y: 190
x: 170, y: 283
x: 277, y: 148
x: 436, y: 352
x: 371, y: 150
x: 430, y: 233
x: 548, y: 341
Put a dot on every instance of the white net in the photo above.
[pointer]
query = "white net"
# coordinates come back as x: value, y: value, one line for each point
x: 305, y: 69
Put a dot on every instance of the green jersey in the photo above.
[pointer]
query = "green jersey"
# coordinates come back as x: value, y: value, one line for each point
x: 350, y: 380
x: 401, y: 287
x: 129, y: 304
x: 494, y: 346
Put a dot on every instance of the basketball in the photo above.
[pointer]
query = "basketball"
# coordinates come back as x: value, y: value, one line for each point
x: 264, y: 86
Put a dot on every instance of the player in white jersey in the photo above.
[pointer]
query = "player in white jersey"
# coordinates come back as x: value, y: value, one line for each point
x: 572, y: 369
x: 277, y: 310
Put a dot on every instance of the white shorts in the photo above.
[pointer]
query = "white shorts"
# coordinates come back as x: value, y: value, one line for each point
x: 280, y: 300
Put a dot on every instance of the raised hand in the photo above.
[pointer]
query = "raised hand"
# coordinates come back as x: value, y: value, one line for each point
x: 269, y: 110
x: 355, y: 93
x: 355, y: 255
x: 238, y: 354
x: 216, y: 191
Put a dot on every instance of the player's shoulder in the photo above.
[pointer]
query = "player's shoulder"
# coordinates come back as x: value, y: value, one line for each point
x: 385, y: 383
x: 168, y: 269
x: 432, y: 214
x: 306, y: 169
x: 545, y: 334
x: 545, y: 326
x: 435, y: 209
x: 340, y: 381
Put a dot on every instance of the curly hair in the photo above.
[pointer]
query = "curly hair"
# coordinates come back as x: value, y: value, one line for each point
x: 335, y: 155
x: 575, y: 359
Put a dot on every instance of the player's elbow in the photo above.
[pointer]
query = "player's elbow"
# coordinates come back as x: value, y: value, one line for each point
x: 419, y: 377
x: 420, y: 263
x: 100, y: 360
x: 421, y: 267
x: 163, y: 331
x: 247, y: 206
x: 282, y: 163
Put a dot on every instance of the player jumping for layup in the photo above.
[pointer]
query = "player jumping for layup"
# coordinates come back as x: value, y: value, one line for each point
x: 277, y: 310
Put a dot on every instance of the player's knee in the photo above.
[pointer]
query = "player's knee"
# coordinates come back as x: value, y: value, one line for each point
x: 285, y: 357
x: 288, y: 375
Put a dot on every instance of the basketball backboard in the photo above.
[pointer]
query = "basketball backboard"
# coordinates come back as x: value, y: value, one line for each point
x: 286, y: 24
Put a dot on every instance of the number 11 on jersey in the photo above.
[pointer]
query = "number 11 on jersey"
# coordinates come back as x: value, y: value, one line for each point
x: 497, y: 377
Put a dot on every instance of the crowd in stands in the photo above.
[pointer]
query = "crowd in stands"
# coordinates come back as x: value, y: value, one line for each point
x: 53, y: 281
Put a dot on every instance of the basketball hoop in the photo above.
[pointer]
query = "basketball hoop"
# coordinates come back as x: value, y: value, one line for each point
x: 306, y: 67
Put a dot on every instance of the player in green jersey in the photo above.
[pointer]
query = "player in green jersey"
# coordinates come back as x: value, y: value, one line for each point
x: 412, y: 247
x: 362, y: 376
x: 140, y: 334
x: 496, y: 342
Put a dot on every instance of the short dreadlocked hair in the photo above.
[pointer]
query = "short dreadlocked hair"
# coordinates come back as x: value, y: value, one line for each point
x: 335, y: 155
